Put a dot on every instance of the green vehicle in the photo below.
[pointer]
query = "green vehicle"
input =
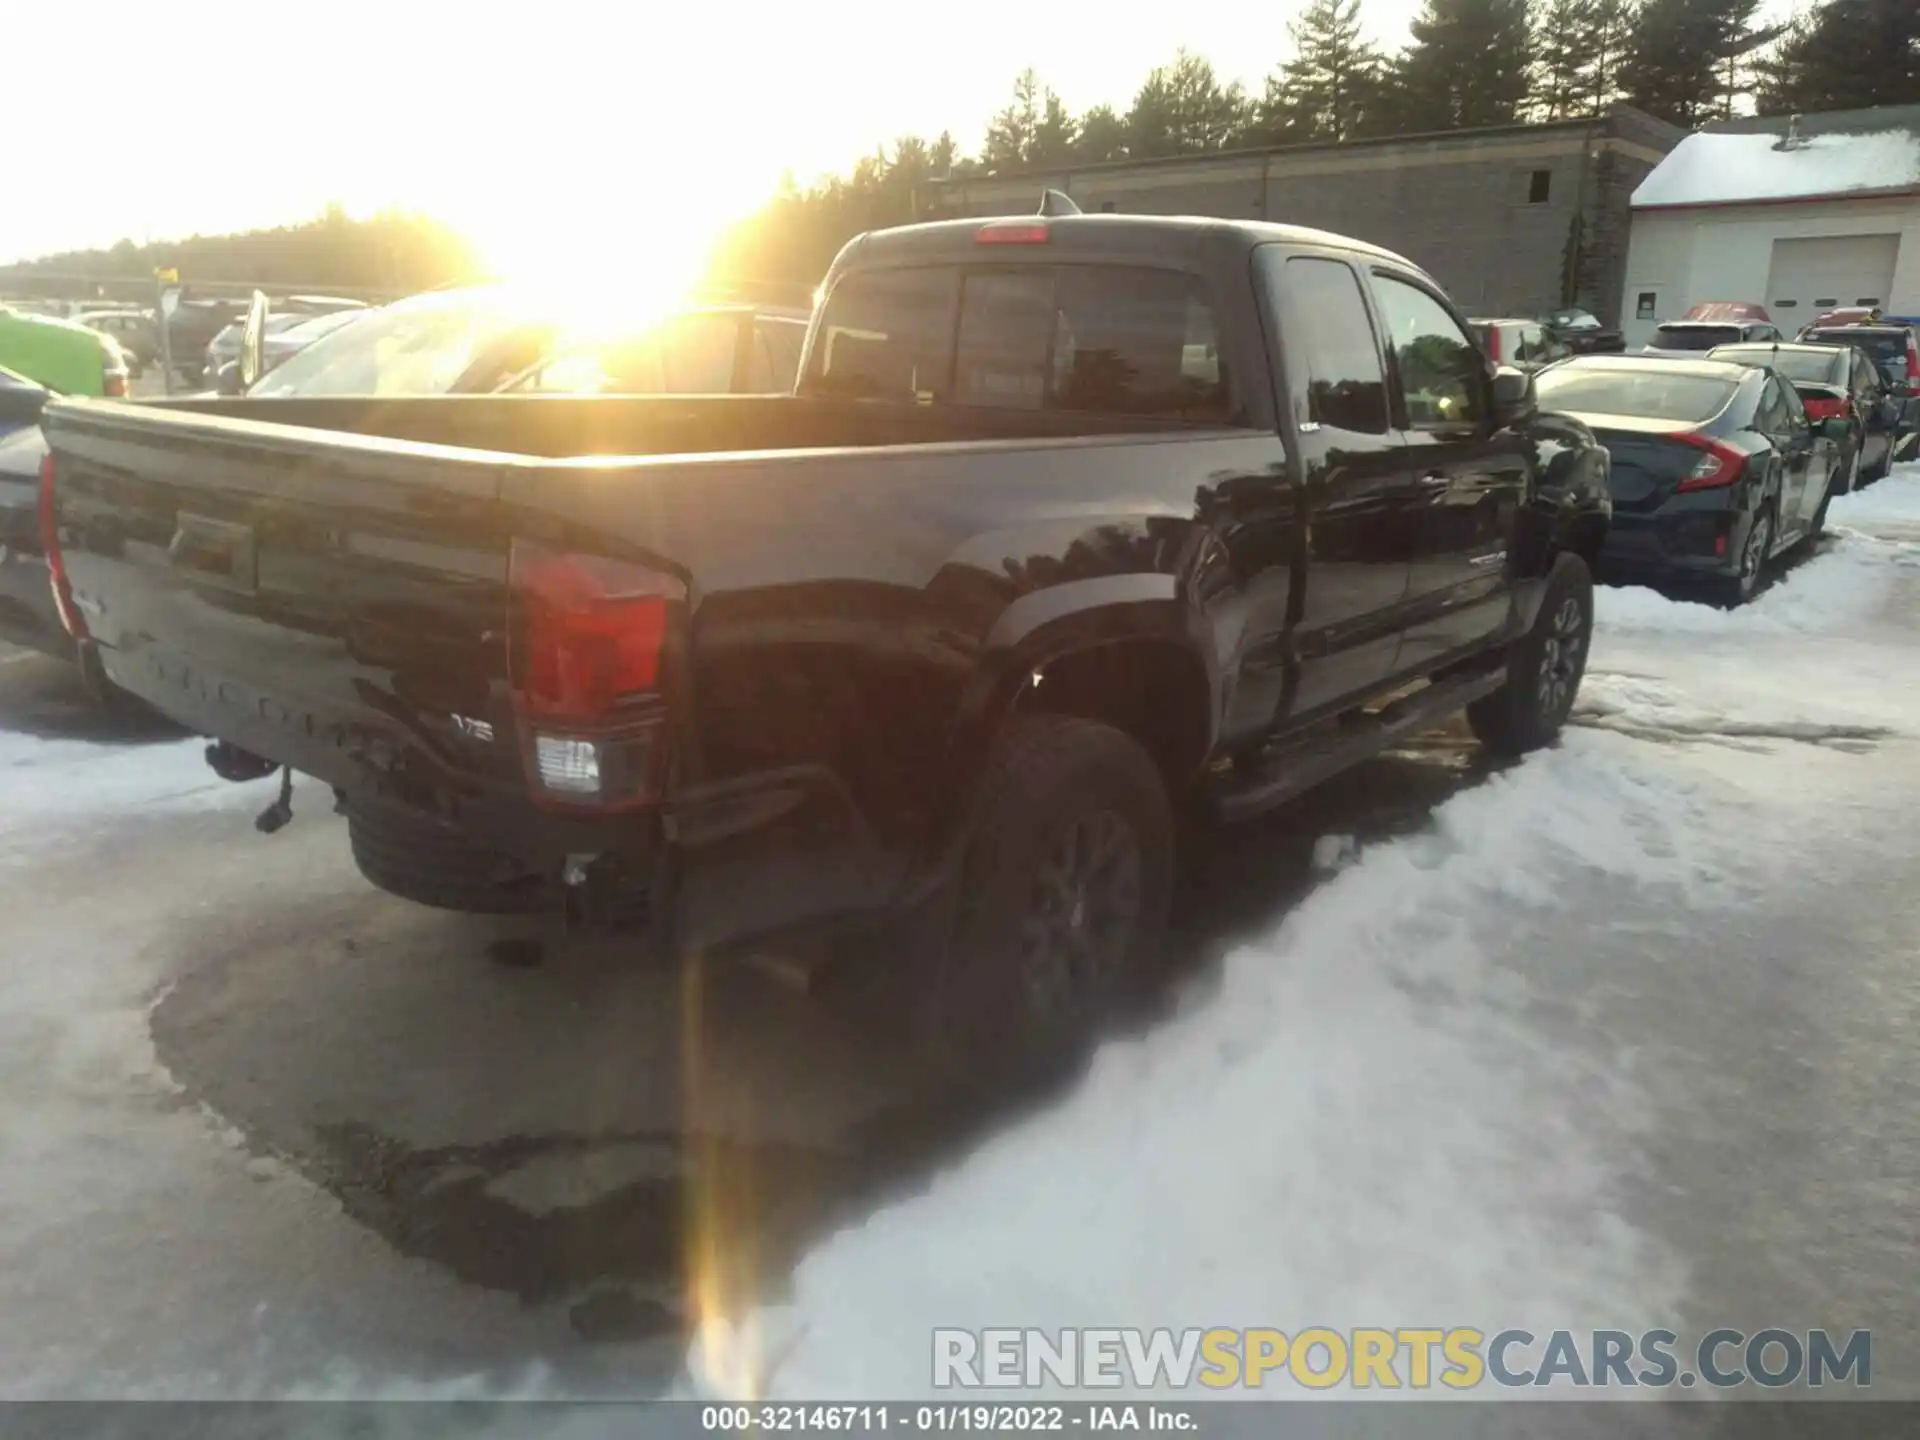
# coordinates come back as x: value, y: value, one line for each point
x: 62, y: 355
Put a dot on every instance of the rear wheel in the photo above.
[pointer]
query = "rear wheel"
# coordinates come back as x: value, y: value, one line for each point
x: 1739, y: 587
x: 1544, y: 667
x: 1062, y: 899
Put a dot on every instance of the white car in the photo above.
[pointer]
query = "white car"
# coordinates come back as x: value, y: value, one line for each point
x: 1691, y: 339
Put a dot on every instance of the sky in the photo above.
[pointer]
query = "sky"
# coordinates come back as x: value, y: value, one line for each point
x: 523, y: 123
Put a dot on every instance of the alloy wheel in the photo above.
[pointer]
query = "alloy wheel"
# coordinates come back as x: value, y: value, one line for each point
x: 1566, y: 643
x: 1080, y: 920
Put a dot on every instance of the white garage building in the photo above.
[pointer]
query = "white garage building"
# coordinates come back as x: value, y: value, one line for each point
x: 1800, y: 215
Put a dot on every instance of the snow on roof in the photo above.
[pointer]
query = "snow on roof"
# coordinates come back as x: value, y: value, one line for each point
x: 1719, y: 169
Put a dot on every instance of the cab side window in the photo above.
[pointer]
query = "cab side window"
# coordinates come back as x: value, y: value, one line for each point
x: 1443, y: 380
x: 1333, y: 363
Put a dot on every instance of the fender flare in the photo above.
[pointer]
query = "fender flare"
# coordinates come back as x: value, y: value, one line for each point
x: 1033, y: 632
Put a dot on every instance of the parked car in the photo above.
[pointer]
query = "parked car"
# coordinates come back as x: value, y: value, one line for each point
x: 136, y: 331
x: 1835, y: 383
x: 486, y: 338
x: 224, y: 348
x: 1846, y: 315
x: 21, y: 401
x: 1716, y: 468
x: 1680, y: 339
x: 486, y: 341
x: 1892, y: 348
x: 1525, y: 344
x: 191, y: 328
x: 62, y: 355
x: 1582, y: 333
x: 1729, y: 312
x: 1071, y: 521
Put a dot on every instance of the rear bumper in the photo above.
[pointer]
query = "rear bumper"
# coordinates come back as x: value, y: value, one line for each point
x: 728, y: 862
x: 1694, y: 542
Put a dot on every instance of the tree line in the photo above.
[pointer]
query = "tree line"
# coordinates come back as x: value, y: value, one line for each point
x: 392, y: 251
x: 1468, y: 63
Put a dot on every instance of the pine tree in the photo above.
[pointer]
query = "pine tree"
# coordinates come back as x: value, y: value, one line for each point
x: 1467, y: 66
x: 1326, y: 91
x: 1689, y: 61
x: 1183, y: 107
x: 1845, y: 55
x: 1102, y: 136
x: 1559, y: 56
x: 1609, y: 26
x: 1010, y: 134
x: 1053, y: 134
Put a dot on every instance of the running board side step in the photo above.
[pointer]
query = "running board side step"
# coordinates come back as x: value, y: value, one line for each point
x: 1287, y: 771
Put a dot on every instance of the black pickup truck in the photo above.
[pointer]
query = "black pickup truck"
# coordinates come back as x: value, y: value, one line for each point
x: 1075, y: 525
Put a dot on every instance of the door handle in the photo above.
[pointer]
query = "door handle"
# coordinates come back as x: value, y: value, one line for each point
x: 1434, y: 480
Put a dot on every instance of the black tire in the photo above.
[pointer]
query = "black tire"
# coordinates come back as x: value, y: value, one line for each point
x: 1852, y: 481
x: 1544, y: 667
x: 1739, y: 587
x: 1883, y: 469
x: 1819, y: 526
x: 417, y: 858
x: 1062, y: 899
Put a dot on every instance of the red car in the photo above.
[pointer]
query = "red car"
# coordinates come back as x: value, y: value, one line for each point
x: 1728, y: 312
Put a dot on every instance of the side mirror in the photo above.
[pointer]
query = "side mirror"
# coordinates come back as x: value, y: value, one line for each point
x: 253, y: 340
x: 227, y: 382
x: 1512, y: 396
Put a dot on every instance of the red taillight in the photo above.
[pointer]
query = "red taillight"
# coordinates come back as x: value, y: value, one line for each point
x: 114, y: 386
x: 56, y: 562
x: 1493, y: 343
x: 1823, y: 407
x: 1913, y: 366
x: 584, y: 657
x: 1024, y: 233
x: 1721, y: 465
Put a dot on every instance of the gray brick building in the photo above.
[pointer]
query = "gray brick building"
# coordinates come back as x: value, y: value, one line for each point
x: 1512, y: 220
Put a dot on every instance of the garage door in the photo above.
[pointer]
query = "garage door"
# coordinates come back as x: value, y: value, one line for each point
x: 1808, y: 276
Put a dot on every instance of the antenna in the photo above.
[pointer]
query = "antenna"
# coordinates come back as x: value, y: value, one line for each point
x: 1057, y: 202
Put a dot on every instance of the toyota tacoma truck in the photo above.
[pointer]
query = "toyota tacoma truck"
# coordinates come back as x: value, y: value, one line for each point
x: 1074, y: 528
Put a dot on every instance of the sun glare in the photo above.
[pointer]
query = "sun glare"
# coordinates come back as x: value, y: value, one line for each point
x: 608, y: 260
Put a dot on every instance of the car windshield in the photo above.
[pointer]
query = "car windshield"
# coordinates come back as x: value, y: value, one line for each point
x: 415, y: 347
x: 1794, y: 364
x: 1693, y: 337
x: 1644, y: 391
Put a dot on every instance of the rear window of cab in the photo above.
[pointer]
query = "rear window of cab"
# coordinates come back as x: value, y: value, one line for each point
x: 1112, y: 339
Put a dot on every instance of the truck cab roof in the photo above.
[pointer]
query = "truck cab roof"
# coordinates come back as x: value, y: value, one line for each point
x: 1082, y: 238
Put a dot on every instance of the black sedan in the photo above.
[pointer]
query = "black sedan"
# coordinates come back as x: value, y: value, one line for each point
x: 1582, y: 333
x: 1716, y: 468
x: 1835, y: 383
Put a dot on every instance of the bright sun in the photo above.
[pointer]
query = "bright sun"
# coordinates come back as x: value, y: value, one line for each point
x: 608, y: 255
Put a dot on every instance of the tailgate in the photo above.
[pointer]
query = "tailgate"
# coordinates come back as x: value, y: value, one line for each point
x: 327, y: 601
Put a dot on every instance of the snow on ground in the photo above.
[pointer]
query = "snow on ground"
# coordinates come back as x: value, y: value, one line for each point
x: 1359, y: 1123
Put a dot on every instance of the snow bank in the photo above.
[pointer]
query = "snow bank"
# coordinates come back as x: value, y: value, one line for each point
x: 1709, y: 169
x: 1357, y: 1125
